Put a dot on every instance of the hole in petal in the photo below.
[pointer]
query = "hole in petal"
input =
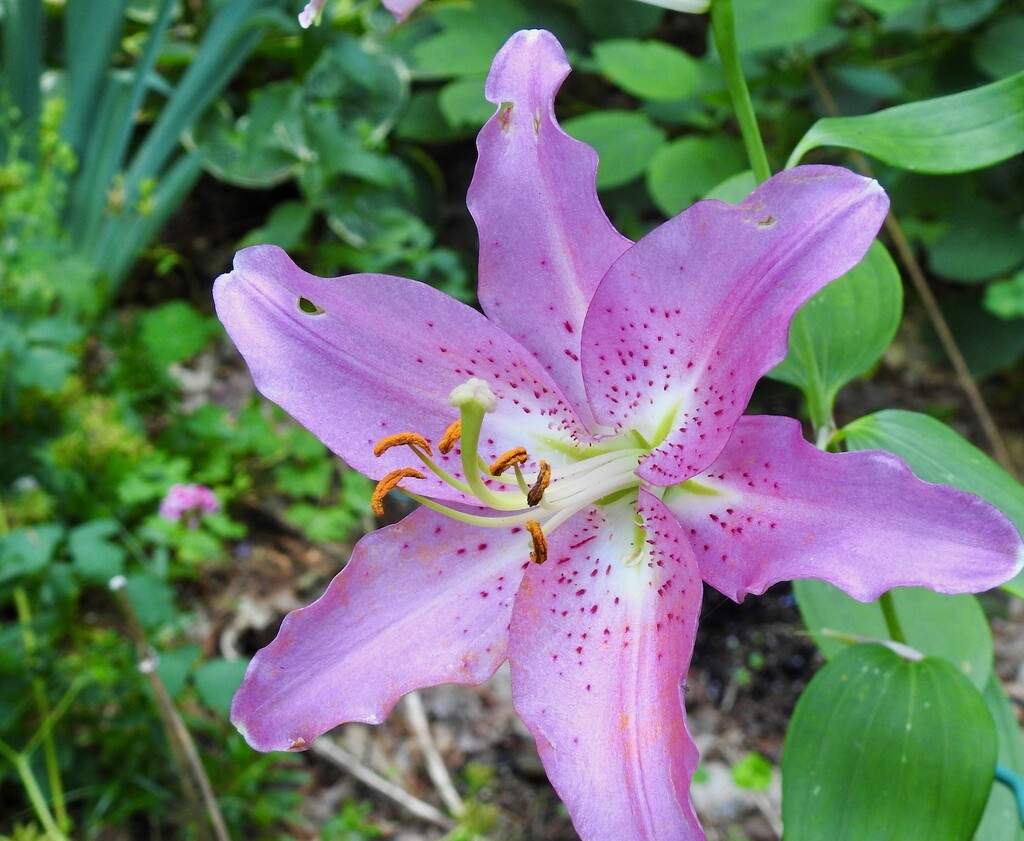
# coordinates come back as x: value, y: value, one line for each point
x: 767, y: 222
x: 309, y: 308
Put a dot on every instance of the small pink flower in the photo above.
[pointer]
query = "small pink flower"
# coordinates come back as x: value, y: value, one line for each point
x: 311, y: 14
x: 188, y: 501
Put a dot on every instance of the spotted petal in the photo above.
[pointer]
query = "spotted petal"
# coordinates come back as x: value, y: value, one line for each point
x: 422, y: 602
x: 689, y: 319
x: 545, y: 242
x: 356, y: 358
x: 774, y: 508
x: 597, y: 651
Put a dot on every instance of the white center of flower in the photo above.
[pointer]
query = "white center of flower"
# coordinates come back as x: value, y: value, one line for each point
x: 540, y: 503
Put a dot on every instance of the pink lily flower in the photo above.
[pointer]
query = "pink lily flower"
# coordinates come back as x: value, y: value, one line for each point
x: 582, y: 460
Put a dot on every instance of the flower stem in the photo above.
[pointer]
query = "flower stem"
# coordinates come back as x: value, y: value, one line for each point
x: 45, y: 713
x: 892, y: 621
x: 35, y: 794
x: 724, y: 32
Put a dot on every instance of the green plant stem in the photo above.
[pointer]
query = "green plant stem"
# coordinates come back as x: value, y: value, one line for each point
x: 45, y: 712
x: 724, y: 32
x: 892, y: 621
x: 35, y: 794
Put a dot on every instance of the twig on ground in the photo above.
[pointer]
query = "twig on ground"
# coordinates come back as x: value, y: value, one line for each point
x: 334, y: 753
x: 416, y: 716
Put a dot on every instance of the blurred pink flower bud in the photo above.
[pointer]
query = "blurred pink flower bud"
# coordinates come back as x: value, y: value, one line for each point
x: 190, y: 501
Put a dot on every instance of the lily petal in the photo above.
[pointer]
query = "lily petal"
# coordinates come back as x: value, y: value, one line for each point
x: 689, y: 319
x: 380, y: 355
x: 545, y: 242
x: 423, y: 602
x: 774, y: 508
x: 597, y: 651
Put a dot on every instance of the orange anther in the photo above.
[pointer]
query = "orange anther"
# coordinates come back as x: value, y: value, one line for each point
x: 388, y: 484
x: 543, y: 480
x: 540, y: 543
x: 450, y: 438
x: 506, y: 460
x: 401, y: 439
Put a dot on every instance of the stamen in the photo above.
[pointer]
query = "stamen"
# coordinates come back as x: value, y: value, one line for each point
x: 515, y: 456
x: 450, y: 438
x: 540, y: 543
x: 543, y: 480
x: 388, y: 484
x: 400, y: 439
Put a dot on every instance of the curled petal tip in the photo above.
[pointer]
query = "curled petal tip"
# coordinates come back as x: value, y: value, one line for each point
x: 528, y: 70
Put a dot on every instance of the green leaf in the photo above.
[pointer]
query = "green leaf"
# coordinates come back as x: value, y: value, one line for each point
x: 878, y: 748
x: 174, y: 667
x: 1001, y: 821
x: 684, y: 170
x: 625, y: 142
x: 94, y: 555
x: 982, y: 240
x: 962, y: 638
x: 769, y: 24
x: 842, y: 331
x: 28, y: 550
x: 648, y: 69
x: 152, y: 598
x: 1005, y: 298
x: 462, y: 102
x: 216, y: 681
x: 619, y: 18
x: 957, y: 133
x: 174, y: 332
x: 470, y: 36
x: 938, y: 454
x: 752, y: 772
x: 988, y: 343
x: 998, y: 51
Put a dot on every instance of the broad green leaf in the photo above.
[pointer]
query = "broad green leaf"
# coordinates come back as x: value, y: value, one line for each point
x: 216, y: 681
x: 769, y: 24
x: 957, y: 133
x: 938, y: 454
x: 463, y: 104
x: 962, y: 637
x: 887, y: 7
x: 988, y: 343
x: 648, y: 69
x: 175, y: 665
x: 625, y: 142
x: 982, y: 240
x: 152, y: 598
x: 95, y: 556
x: 619, y: 18
x: 842, y: 331
x: 1000, y: 49
x: 878, y: 748
x: 1005, y: 298
x: 26, y: 551
x: 470, y: 36
x: 1001, y: 821
x: 175, y: 331
x: 684, y: 170
x: 735, y: 188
